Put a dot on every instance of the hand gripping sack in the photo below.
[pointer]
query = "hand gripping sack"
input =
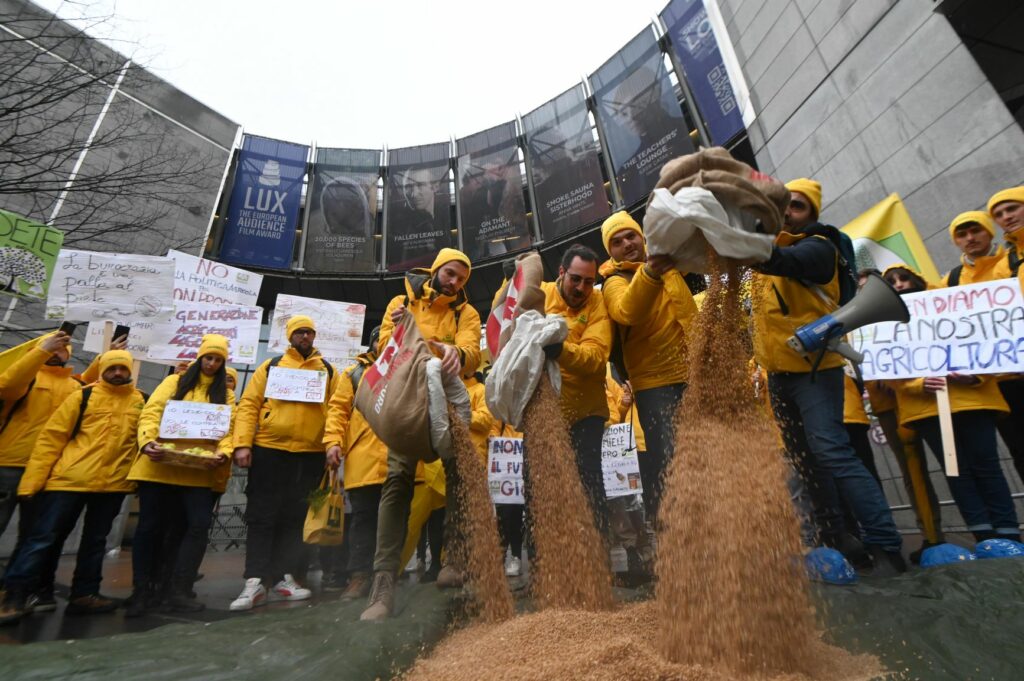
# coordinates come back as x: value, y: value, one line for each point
x: 393, y: 394
x: 520, y: 294
x: 325, y: 519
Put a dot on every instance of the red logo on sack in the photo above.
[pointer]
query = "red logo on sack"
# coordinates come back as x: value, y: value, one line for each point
x: 385, y: 364
x: 501, y: 316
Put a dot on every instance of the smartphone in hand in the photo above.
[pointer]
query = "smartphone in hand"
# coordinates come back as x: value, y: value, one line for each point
x: 68, y: 328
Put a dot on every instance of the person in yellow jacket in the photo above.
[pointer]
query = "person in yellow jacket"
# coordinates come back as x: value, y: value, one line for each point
x: 798, y: 284
x: 652, y: 308
x: 281, y: 443
x: 982, y: 258
x: 168, y: 492
x: 582, y: 360
x: 80, y: 462
x: 980, y: 490
x: 437, y: 300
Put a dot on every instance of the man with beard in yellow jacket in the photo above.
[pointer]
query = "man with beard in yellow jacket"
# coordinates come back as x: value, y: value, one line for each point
x: 652, y: 308
x: 80, y: 462
x: 281, y: 443
x: 582, y: 360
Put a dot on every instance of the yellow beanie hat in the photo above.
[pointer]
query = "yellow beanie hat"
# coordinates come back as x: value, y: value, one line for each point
x: 809, y: 188
x: 296, y: 322
x: 1011, y: 194
x: 615, y: 223
x: 233, y: 372
x: 115, y: 358
x: 214, y: 344
x: 446, y: 255
x: 971, y: 216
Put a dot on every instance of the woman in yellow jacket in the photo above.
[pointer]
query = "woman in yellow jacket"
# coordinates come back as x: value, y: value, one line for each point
x: 168, y: 492
x: 980, y: 490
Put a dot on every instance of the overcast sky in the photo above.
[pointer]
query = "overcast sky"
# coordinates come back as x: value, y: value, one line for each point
x: 364, y: 74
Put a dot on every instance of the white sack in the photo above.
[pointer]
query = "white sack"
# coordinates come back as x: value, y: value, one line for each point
x: 443, y: 388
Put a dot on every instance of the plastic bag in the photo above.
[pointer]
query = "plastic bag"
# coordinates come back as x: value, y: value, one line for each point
x: 325, y: 519
x: 515, y: 374
x: 443, y: 388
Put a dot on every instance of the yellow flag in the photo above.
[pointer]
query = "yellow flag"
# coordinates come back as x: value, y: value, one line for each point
x: 885, y: 235
x: 9, y: 357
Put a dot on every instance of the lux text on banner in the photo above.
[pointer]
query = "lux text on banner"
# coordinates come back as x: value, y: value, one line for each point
x: 973, y: 329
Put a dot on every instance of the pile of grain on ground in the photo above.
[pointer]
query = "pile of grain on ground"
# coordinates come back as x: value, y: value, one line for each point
x: 598, y: 646
x: 570, y: 569
x: 481, y: 547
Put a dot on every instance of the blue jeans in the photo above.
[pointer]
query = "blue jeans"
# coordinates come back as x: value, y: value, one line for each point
x: 810, y: 416
x: 10, y: 476
x: 657, y: 408
x: 58, y: 513
x: 980, y: 491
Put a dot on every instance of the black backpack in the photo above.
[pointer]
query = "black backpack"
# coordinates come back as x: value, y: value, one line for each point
x: 619, y: 335
x: 86, y: 394
x: 847, y: 261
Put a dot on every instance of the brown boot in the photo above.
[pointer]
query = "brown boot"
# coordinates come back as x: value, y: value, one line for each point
x: 92, y: 604
x: 450, y: 578
x: 358, y: 587
x: 382, y: 598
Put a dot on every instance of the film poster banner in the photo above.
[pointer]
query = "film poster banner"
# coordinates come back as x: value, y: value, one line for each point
x: 264, y: 207
x: 28, y: 253
x: 972, y: 329
x: 90, y: 286
x: 339, y: 326
x: 696, y: 51
x: 491, y: 205
x: 619, y: 461
x: 565, y: 167
x: 641, y: 118
x: 505, y: 469
x: 198, y: 280
x: 342, y: 211
x: 179, y: 338
x: 418, y: 201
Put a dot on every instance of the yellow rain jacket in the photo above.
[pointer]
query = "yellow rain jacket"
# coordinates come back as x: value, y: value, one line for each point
x: 52, y: 386
x: 278, y: 424
x: 100, y: 456
x: 447, y: 319
x: 853, y: 403
x: 145, y: 469
x: 584, y: 357
x: 881, y: 397
x: 620, y: 414
x: 652, y: 318
x: 985, y: 268
x: 916, y: 404
x: 482, y: 421
x: 780, y: 306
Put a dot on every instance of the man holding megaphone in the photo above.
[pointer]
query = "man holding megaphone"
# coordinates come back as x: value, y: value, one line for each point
x: 799, y: 288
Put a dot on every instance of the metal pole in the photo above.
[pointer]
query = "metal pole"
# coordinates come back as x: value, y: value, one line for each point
x: 453, y: 167
x: 383, y: 267
x: 305, y: 214
x: 538, y: 239
x: 608, y: 166
x: 665, y: 42
x: 220, y: 193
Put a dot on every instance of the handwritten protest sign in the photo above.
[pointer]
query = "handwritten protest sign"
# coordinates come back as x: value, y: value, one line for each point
x: 87, y: 286
x: 198, y: 280
x: 972, y: 329
x: 619, y: 462
x: 28, y: 252
x: 195, y: 421
x: 296, y: 385
x: 179, y: 337
x: 505, y: 469
x: 139, y: 338
x: 339, y: 326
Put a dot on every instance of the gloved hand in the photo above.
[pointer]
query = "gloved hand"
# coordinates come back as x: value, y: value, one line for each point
x: 553, y: 351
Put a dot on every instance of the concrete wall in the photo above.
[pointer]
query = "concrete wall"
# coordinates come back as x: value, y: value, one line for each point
x: 872, y: 97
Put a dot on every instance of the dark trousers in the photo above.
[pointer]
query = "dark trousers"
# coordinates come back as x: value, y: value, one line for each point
x: 170, y: 512
x: 28, y: 509
x: 657, y: 408
x: 362, y: 532
x: 276, y: 504
x: 58, y: 513
x: 586, y: 435
x: 1011, y: 426
x: 510, y: 527
x: 858, y: 433
x: 980, y: 491
x: 810, y: 416
x: 334, y: 560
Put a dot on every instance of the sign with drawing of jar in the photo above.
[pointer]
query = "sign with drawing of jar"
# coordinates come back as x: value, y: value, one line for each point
x: 619, y: 461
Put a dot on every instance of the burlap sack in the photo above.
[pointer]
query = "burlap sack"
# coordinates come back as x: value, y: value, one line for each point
x: 733, y: 182
x: 393, y: 394
x: 521, y: 294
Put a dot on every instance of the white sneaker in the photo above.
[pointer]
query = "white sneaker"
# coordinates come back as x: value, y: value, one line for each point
x: 289, y: 590
x: 254, y: 594
x: 514, y: 567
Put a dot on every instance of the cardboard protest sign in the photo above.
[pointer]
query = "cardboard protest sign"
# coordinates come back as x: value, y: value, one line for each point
x: 87, y: 286
x: 296, y: 385
x: 198, y: 280
x: 505, y: 470
x: 183, y: 420
x: 28, y: 252
x: 619, y: 462
x: 139, y: 338
x: 179, y: 337
x: 972, y: 329
x: 339, y: 326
